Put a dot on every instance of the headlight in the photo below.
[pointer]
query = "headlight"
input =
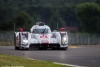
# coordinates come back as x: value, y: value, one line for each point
x: 64, y: 38
x: 25, y: 41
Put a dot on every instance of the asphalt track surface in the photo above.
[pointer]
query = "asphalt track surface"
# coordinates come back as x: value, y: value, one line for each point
x: 88, y: 56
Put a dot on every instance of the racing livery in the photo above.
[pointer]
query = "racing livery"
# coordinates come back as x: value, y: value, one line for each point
x: 40, y: 36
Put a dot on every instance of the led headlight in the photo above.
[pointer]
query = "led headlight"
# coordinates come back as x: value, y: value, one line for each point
x: 64, y: 38
x: 25, y: 41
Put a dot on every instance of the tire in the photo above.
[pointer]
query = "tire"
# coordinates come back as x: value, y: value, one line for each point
x: 16, y: 48
x: 14, y: 40
x: 20, y: 42
x: 65, y: 48
x: 25, y: 48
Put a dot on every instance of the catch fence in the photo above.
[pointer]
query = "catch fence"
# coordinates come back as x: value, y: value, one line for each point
x: 6, y: 38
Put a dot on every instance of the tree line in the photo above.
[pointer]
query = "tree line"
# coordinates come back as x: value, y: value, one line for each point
x: 26, y: 13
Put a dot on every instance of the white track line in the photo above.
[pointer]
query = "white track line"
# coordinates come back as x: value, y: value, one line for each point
x: 68, y: 64
x: 60, y: 63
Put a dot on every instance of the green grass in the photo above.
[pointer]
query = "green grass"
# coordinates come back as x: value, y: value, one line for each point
x: 9, y: 60
x: 2, y: 43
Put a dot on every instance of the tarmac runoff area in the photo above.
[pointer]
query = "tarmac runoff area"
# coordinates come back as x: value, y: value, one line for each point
x: 75, y: 56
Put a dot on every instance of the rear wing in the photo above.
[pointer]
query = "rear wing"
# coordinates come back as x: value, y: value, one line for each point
x: 20, y: 29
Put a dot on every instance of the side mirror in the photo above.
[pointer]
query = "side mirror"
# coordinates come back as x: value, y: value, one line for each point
x: 20, y: 29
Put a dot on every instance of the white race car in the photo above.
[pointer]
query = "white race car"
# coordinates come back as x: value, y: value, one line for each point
x: 41, y: 37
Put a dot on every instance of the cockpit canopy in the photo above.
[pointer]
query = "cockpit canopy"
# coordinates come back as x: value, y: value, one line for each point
x: 40, y: 28
x: 40, y: 23
x: 41, y: 31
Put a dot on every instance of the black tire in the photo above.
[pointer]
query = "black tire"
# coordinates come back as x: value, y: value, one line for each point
x: 24, y: 48
x: 16, y: 48
x: 14, y: 40
x: 20, y: 42
x: 65, y: 48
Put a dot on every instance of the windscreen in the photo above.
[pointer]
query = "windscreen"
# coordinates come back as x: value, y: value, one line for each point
x: 41, y: 31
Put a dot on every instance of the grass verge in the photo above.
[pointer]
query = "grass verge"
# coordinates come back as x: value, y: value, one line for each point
x: 15, y: 61
x: 2, y: 43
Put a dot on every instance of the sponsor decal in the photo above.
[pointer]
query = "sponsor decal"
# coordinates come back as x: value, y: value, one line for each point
x: 63, y: 32
x: 24, y: 32
x: 44, y: 42
x: 44, y: 36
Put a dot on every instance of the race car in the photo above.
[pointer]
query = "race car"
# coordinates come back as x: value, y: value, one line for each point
x: 40, y: 36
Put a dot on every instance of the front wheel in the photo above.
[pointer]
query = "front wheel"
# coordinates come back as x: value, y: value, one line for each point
x: 16, y: 48
x: 64, y: 48
x: 25, y: 48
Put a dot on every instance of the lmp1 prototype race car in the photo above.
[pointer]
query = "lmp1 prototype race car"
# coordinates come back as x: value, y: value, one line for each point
x: 41, y: 37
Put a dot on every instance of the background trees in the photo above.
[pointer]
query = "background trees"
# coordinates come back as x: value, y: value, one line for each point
x: 56, y: 19
x: 23, y: 20
x: 89, y: 15
x: 27, y: 12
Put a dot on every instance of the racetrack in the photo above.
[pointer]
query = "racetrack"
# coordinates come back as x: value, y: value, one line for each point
x: 88, y: 56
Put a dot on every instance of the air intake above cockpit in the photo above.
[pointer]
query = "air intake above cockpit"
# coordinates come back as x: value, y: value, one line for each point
x: 40, y: 23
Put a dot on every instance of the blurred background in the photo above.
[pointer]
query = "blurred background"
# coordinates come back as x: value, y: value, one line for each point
x: 80, y: 18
